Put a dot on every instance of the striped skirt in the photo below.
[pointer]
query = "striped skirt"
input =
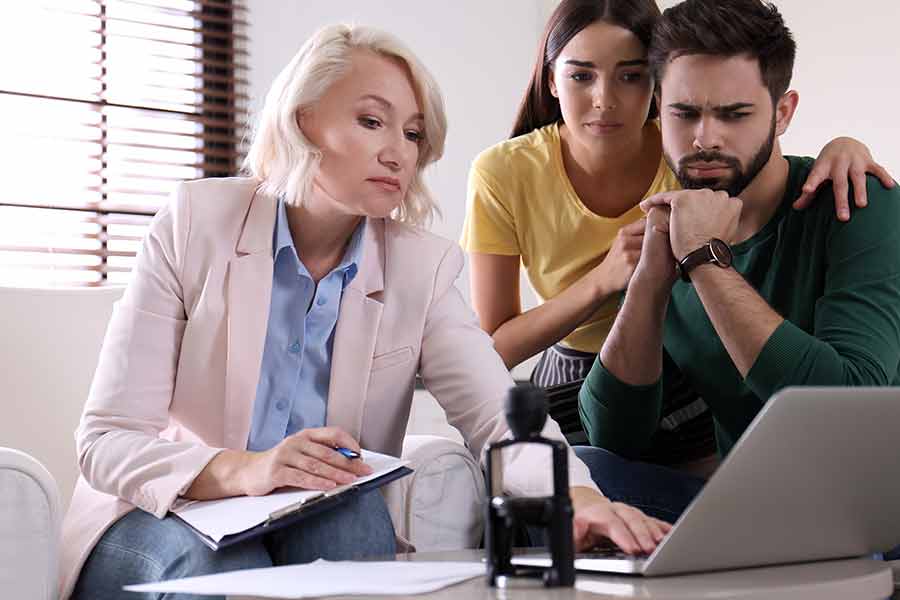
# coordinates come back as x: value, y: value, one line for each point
x: 686, y: 431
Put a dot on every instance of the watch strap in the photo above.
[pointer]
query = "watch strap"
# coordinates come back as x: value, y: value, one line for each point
x: 700, y: 256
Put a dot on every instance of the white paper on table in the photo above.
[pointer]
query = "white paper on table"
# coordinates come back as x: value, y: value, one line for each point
x: 218, y: 518
x: 324, y: 578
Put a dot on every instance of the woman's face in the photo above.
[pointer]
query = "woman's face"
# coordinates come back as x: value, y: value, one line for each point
x: 603, y: 84
x: 369, y: 127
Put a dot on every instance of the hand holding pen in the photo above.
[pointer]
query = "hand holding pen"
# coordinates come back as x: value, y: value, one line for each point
x: 319, y: 458
x: 347, y: 452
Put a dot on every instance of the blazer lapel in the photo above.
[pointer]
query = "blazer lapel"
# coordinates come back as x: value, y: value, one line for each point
x: 355, y: 335
x: 249, y: 295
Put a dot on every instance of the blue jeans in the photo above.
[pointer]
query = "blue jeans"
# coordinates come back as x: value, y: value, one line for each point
x: 658, y: 491
x: 140, y: 548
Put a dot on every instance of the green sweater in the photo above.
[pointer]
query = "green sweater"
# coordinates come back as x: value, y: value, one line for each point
x: 836, y: 284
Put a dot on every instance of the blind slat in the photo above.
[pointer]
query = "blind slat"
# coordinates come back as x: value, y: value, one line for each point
x: 202, y: 136
x: 210, y: 152
x: 199, y: 118
x: 202, y: 91
x: 196, y: 14
x: 205, y: 31
x: 202, y: 165
x: 65, y: 251
x: 213, y: 48
x: 228, y: 81
x: 93, y: 210
x: 101, y: 268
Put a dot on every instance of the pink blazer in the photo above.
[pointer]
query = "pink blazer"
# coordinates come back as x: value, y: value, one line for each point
x: 178, y: 371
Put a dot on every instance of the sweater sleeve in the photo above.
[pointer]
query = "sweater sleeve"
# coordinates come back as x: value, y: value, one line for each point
x: 856, y: 335
x: 617, y: 416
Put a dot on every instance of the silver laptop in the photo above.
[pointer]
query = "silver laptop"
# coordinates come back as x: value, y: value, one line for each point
x: 815, y: 476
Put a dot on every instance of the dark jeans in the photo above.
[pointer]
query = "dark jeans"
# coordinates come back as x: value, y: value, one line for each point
x: 139, y: 548
x: 658, y: 491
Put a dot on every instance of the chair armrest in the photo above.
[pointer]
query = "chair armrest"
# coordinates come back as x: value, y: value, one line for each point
x: 440, y: 506
x: 30, y: 518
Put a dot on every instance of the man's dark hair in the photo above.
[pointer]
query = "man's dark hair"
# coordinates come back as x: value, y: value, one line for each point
x: 726, y: 28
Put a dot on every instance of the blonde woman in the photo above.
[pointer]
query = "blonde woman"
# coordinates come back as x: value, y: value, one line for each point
x: 276, y: 317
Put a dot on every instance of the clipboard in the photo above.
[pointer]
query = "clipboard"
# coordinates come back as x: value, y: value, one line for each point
x: 294, y: 513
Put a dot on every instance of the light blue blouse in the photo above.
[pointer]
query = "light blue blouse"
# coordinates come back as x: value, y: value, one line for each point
x: 292, y: 393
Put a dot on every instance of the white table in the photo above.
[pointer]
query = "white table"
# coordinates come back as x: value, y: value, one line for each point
x: 859, y: 579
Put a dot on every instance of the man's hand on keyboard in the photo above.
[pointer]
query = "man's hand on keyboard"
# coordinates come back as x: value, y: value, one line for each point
x: 598, y: 519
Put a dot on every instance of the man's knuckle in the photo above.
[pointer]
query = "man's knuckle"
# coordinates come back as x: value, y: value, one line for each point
x: 631, y: 515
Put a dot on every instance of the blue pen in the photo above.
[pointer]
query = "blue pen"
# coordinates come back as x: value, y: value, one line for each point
x: 351, y: 454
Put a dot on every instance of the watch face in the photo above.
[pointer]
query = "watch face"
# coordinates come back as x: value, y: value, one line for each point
x: 721, y: 252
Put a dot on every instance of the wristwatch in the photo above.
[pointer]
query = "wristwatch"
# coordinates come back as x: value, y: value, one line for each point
x: 714, y: 251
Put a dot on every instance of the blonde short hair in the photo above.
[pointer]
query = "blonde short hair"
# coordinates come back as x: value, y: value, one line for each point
x: 284, y: 159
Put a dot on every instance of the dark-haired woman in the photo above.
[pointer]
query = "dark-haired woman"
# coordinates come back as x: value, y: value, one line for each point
x: 561, y: 196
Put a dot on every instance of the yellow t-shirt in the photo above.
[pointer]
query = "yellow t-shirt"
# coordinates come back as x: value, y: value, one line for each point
x: 521, y: 202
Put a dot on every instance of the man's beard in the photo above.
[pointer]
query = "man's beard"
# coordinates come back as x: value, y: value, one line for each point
x: 738, y: 182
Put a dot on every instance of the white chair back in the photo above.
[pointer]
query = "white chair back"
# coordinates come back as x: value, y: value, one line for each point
x: 49, y: 345
x: 29, y: 528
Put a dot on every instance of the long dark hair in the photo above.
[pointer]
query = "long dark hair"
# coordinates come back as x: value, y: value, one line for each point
x: 539, y: 107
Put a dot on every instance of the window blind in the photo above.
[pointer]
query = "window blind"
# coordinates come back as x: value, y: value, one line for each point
x: 105, y: 105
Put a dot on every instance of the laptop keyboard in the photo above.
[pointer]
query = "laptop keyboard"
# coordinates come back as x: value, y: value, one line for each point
x: 608, y: 553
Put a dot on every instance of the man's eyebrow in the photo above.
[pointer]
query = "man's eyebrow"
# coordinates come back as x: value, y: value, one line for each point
x: 388, y: 106
x: 685, y: 107
x: 719, y: 109
x: 733, y: 107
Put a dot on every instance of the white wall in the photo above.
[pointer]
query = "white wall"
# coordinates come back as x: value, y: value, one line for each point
x: 481, y: 53
x: 846, y: 72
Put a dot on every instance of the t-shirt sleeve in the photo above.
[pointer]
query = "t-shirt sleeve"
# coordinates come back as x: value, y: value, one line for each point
x: 490, y: 225
x: 856, y: 337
